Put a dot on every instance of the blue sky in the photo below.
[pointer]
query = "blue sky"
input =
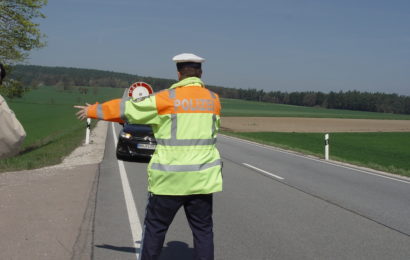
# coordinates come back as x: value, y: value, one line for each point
x: 289, y: 45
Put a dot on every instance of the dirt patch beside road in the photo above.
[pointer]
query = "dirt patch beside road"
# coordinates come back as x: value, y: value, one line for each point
x: 317, y: 125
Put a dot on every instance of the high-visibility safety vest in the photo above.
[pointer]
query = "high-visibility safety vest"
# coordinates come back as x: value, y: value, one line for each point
x: 185, y: 120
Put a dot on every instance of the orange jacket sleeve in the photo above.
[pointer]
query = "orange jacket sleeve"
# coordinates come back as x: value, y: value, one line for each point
x: 109, y: 111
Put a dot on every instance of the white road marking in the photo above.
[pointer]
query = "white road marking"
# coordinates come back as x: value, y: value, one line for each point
x: 317, y: 160
x: 260, y: 170
x: 133, y: 218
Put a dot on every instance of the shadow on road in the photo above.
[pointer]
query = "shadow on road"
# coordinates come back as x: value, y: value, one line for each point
x: 173, y: 250
x: 119, y: 248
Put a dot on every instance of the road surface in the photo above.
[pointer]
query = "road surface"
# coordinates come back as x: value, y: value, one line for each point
x: 275, y: 205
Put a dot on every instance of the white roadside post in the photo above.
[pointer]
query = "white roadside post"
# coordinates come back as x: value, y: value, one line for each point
x: 87, y: 131
x: 326, y: 147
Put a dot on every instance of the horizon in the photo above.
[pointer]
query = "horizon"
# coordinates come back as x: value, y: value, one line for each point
x: 266, y: 91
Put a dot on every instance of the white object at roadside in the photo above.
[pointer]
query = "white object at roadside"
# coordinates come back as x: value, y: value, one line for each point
x: 326, y: 147
x: 87, y: 131
x: 12, y: 133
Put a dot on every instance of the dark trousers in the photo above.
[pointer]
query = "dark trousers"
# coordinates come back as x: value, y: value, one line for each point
x: 161, y: 211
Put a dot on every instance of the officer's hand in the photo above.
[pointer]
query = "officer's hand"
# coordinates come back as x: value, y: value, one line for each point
x: 82, y: 112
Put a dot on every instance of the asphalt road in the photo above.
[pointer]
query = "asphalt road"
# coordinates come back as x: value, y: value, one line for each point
x: 275, y: 205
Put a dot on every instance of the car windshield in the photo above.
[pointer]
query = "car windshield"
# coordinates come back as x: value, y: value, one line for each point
x: 136, y: 129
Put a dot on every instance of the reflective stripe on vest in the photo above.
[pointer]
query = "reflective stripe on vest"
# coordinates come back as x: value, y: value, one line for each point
x: 110, y: 111
x: 173, y: 141
x: 122, y: 107
x: 185, y: 142
x: 185, y: 168
x: 100, y: 114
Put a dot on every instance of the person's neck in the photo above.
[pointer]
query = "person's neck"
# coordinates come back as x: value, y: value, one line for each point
x: 185, y: 77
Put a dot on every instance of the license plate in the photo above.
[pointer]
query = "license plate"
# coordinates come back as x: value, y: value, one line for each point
x: 146, y: 146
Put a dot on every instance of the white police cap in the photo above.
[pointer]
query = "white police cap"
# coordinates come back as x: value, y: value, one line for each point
x: 188, y: 57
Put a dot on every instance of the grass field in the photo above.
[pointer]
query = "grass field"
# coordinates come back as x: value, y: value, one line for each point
x: 48, y: 116
x: 53, y: 130
x: 382, y: 151
x: 234, y: 107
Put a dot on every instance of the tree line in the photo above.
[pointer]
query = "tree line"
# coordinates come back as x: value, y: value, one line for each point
x: 350, y: 100
x: 32, y: 75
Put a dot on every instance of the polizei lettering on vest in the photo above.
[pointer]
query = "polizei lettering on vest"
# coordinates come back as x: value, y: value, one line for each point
x: 196, y: 104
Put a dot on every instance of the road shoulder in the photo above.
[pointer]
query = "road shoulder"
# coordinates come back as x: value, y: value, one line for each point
x: 48, y: 213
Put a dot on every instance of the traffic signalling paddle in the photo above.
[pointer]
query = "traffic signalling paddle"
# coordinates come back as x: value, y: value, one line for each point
x: 139, y: 89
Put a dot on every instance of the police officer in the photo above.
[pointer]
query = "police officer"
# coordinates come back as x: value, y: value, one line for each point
x: 185, y: 169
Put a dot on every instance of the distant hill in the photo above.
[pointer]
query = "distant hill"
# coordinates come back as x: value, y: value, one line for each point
x: 50, y: 76
x: 351, y: 100
x: 34, y: 75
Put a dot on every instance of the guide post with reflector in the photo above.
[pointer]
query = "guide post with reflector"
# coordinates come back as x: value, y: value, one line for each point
x: 326, y: 147
x: 87, y: 131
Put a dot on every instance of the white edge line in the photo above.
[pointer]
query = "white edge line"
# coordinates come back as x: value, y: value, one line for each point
x: 313, y: 159
x: 260, y: 170
x: 133, y: 218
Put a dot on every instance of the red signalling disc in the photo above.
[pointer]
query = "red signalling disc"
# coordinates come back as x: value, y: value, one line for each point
x: 139, y: 89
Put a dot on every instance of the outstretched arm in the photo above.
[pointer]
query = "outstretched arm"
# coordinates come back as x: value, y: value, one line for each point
x: 108, y: 111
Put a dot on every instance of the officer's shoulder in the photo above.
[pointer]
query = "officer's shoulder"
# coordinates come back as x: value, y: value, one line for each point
x: 162, y: 91
x: 213, y: 93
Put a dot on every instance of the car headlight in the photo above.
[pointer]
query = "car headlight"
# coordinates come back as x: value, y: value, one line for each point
x: 126, y: 135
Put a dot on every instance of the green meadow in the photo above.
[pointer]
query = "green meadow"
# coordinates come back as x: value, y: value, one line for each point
x: 381, y: 151
x: 53, y: 131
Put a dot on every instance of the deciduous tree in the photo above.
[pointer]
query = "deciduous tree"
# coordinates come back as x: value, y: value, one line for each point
x: 19, y: 33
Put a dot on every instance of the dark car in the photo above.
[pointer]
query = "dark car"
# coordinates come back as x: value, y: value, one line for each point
x: 136, y: 142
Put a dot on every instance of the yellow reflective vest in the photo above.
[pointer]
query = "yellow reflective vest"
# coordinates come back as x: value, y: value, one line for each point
x: 185, y: 120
